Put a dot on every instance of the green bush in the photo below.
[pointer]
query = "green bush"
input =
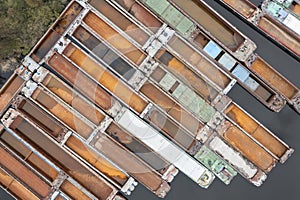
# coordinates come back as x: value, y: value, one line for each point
x: 23, y: 22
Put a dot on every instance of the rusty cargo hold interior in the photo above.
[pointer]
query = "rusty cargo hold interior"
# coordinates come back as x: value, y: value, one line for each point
x: 249, y: 148
x: 244, y: 7
x: 265, y: 71
x: 279, y: 33
x: 9, y: 90
x: 208, y: 20
x: 73, y: 99
x: 76, y: 170
x: 135, y: 146
x: 274, y: 29
x: 106, y: 78
x: 257, y: 131
x: 118, y: 92
x: 200, y: 62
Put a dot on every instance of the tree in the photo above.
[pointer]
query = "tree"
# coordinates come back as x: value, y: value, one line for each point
x: 23, y: 22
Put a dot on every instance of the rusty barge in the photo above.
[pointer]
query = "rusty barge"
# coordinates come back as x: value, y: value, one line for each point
x: 281, y: 31
x: 115, y: 94
x: 245, y: 65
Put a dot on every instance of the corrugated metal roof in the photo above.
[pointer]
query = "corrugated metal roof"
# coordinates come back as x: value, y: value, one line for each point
x: 185, y: 26
x: 251, y: 83
x: 241, y: 73
x: 212, y: 49
x: 227, y: 61
x: 172, y: 15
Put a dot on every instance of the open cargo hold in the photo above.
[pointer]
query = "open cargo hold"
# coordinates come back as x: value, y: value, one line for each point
x: 114, y: 38
x: 150, y: 180
x: 81, y: 81
x: 8, y: 91
x: 89, y: 59
x: 62, y: 112
x: 277, y: 81
x: 120, y: 21
x: 28, y: 156
x: 165, y: 148
x: 210, y: 22
x: 19, y: 170
x: 55, y: 31
x: 124, y: 69
x: 106, y: 78
x: 234, y: 157
x: 60, y: 197
x: 283, y: 15
x: 245, y: 7
x: 185, y: 96
x: 49, y: 76
x: 96, y: 160
x: 213, y: 23
x: 249, y: 148
x: 72, y: 191
x: 72, y: 98
x: 14, y: 187
x: 121, y: 68
x: 137, y: 147
x: 258, y: 131
x: 36, y: 160
x: 40, y: 117
x: 272, y: 28
x: 75, y: 169
x: 140, y: 13
x: 200, y: 62
x: 249, y: 80
x: 223, y: 83
x: 45, y: 122
x: 172, y: 130
x: 105, y: 53
x: 204, y: 66
x: 253, y: 84
x: 131, y: 164
x: 171, y: 107
x: 280, y: 34
x: 172, y: 64
x: 246, y: 78
x: 192, y: 146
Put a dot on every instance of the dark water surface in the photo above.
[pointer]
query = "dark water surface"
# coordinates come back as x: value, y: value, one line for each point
x: 283, y: 182
x: 4, y: 77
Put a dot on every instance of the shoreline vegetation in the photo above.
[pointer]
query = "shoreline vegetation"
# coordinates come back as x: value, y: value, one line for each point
x: 22, y: 24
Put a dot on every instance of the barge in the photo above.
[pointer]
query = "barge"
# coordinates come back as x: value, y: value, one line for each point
x: 213, y: 46
x: 282, y: 14
x: 113, y: 95
x: 272, y: 28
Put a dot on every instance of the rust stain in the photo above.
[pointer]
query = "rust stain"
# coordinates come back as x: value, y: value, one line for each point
x: 95, y: 160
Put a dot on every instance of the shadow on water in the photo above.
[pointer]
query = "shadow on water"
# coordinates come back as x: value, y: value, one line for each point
x: 4, y: 77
